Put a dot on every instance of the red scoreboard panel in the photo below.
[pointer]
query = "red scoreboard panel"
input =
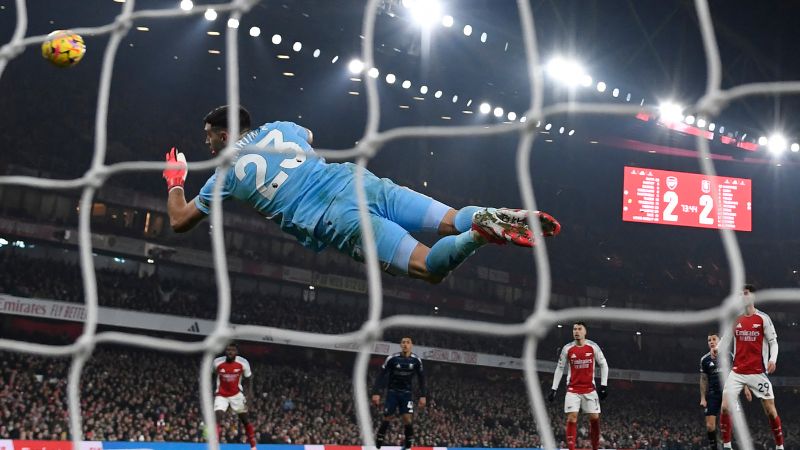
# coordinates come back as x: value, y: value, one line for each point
x: 686, y: 199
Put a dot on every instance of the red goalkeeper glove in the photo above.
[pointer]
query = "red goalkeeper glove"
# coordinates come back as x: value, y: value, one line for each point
x: 175, y: 177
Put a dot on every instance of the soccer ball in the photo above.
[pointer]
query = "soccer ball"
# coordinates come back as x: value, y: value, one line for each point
x: 63, y: 48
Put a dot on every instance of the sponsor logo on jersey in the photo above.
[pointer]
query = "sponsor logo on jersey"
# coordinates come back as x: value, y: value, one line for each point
x: 756, y: 325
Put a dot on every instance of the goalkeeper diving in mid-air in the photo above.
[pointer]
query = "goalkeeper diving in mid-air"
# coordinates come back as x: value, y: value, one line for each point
x: 277, y: 172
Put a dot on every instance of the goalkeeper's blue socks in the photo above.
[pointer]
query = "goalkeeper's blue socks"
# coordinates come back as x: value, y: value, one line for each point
x: 463, y: 219
x: 451, y: 251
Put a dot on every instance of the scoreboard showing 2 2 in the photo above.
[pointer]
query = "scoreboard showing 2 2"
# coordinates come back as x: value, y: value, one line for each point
x: 686, y: 199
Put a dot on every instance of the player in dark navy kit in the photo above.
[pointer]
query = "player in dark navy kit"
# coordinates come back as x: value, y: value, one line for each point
x: 711, y: 391
x: 398, y: 374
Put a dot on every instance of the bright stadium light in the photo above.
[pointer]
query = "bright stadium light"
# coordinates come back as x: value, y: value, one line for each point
x: 777, y: 144
x: 484, y: 37
x: 423, y: 89
x: 467, y: 30
x: 255, y: 31
x: 373, y: 72
x: 565, y: 71
x: 297, y: 46
x: 276, y: 39
x: 795, y: 147
x: 548, y: 126
x: 712, y: 126
x: 390, y: 78
x: 586, y: 80
x: 233, y: 23
x: 316, y: 53
x: 187, y: 5
x: 498, y: 112
x: 701, y: 123
x: 762, y: 140
x: 438, y: 94
x: 355, y: 66
x: 455, y: 98
x: 485, y: 108
x: 447, y: 21
x: 689, y: 119
x: 210, y: 14
x: 406, y: 84
x: 601, y: 86
x: 512, y: 116
x: 424, y: 12
x: 670, y: 111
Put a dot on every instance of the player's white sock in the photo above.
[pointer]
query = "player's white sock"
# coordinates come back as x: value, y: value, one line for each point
x: 780, y: 447
x: 726, y: 445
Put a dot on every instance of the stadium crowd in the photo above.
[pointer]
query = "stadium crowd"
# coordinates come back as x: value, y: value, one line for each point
x: 195, y: 296
x: 135, y: 395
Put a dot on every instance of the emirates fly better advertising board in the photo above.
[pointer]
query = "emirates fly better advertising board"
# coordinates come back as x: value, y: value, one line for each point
x: 686, y: 199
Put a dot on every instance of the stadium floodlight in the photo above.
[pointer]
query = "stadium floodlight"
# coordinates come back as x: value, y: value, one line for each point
x: 467, y: 30
x: 548, y: 127
x: 424, y: 12
x: 484, y: 37
x: 276, y: 39
x: 498, y: 112
x: 455, y: 98
x: 512, y: 116
x: 316, y: 53
x: 210, y: 14
x: 438, y: 94
x: 406, y: 84
x: 761, y: 140
x: 586, y: 80
x: 423, y: 89
x: 701, y: 123
x: 187, y: 5
x: 523, y: 119
x: 571, y: 132
x: 689, y: 119
x: 776, y: 144
x: 670, y: 111
x: 390, y: 78
x: 615, y: 92
x: 233, y: 23
x: 601, y: 86
x: 297, y: 46
x: 712, y: 126
x: 447, y: 21
x: 373, y: 72
x: 355, y: 66
x: 255, y: 31
x: 795, y: 147
x: 485, y: 108
x: 566, y: 71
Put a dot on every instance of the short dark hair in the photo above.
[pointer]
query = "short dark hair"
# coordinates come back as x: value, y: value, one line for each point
x: 713, y: 333
x: 233, y: 344
x: 218, y: 118
x: 750, y: 287
x: 407, y: 337
x: 583, y: 324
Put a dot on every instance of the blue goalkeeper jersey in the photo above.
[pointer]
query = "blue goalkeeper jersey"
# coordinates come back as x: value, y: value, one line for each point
x: 278, y: 173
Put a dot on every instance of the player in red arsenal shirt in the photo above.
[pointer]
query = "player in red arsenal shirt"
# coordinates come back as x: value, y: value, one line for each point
x: 233, y: 372
x: 755, y: 354
x: 579, y: 359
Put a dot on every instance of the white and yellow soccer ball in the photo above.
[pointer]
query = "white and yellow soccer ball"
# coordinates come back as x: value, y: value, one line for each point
x: 63, y: 48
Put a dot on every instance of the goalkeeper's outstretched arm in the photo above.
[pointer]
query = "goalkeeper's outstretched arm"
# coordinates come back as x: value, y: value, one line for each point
x: 183, y: 216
